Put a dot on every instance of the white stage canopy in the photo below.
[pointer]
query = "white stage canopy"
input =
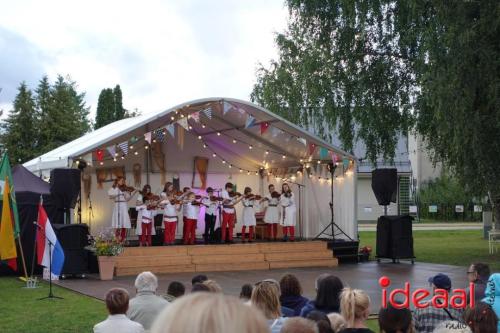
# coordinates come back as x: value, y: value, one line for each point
x: 243, y: 143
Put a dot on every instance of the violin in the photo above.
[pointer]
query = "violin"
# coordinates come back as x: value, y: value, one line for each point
x: 197, y: 197
x: 214, y: 198
x: 253, y: 196
x: 125, y: 188
x: 234, y: 194
x: 275, y: 195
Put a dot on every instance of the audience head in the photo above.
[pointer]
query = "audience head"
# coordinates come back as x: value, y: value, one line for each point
x: 392, y: 320
x: 176, y: 289
x: 246, y: 291
x: 328, y: 293
x: 440, y: 281
x: 209, y: 313
x: 481, y: 318
x: 319, y: 278
x: 199, y: 279
x: 321, y: 320
x: 290, y: 286
x: 452, y: 326
x: 479, y: 271
x: 213, y: 286
x: 146, y: 282
x: 299, y: 325
x: 354, y: 305
x: 199, y: 287
x: 117, y: 301
x: 265, y: 296
x: 337, y: 321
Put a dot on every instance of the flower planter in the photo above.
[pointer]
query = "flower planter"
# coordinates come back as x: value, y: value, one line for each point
x: 106, y: 267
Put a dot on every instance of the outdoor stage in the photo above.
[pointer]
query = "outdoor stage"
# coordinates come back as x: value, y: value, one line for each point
x: 364, y: 276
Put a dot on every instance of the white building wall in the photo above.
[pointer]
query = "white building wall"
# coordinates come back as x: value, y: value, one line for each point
x: 368, y: 208
x: 422, y: 167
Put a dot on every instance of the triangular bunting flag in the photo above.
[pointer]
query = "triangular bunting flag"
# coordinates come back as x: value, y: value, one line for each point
x: 171, y: 129
x: 264, y: 127
x: 302, y: 140
x: 226, y: 107
x: 275, y: 131
x: 124, y: 147
x: 99, y: 153
x: 334, y: 158
x: 111, y: 150
x: 196, y: 116
x: 250, y: 121
x: 147, y: 137
x: 208, y: 112
x: 345, y: 162
x: 180, y: 137
x: 323, y: 153
x: 184, y: 123
x: 241, y: 110
x: 160, y: 135
x: 312, y: 148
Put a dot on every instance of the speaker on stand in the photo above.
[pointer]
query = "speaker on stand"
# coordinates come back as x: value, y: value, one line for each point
x: 65, y: 188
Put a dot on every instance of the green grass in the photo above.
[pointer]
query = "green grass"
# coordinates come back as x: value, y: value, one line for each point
x: 22, y: 312
x: 460, y: 247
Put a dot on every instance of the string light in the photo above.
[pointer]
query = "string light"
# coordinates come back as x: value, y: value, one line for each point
x: 131, y: 147
x: 204, y: 146
x: 230, y: 166
x: 203, y: 126
x: 283, y: 157
x: 234, y: 141
x: 241, y: 170
x: 114, y: 159
x: 250, y: 147
x: 136, y: 153
x: 214, y: 155
x: 199, y: 137
x: 146, y: 147
x: 218, y: 133
x: 123, y: 157
x: 267, y: 152
x: 190, y: 127
x: 173, y: 118
x: 101, y: 163
x: 223, y: 162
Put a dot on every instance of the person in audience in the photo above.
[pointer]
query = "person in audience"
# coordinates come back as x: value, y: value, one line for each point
x: 299, y: 325
x: 285, y: 311
x: 213, y: 286
x: 246, y: 292
x: 337, y: 321
x: 481, y: 319
x: 199, y: 279
x: 200, y: 287
x: 452, y: 326
x: 291, y: 294
x: 427, y: 319
x: 328, y: 289
x: 117, y: 305
x: 265, y: 296
x: 146, y: 305
x: 175, y: 290
x: 478, y: 273
x: 209, y: 313
x: 492, y: 295
x: 355, y: 308
x: 322, y: 322
x: 392, y: 320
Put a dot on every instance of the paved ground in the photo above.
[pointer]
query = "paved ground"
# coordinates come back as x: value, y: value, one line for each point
x: 429, y: 226
x: 364, y: 276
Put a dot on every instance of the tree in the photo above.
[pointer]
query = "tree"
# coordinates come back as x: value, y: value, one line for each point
x: 20, y: 128
x: 110, y: 107
x: 371, y: 69
x: 119, y: 110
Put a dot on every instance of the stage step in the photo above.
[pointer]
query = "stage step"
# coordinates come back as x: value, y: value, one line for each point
x: 206, y: 258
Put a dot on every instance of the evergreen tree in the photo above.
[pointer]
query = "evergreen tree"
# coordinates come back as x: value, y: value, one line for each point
x: 19, y: 129
x: 119, y: 110
x: 43, y: 104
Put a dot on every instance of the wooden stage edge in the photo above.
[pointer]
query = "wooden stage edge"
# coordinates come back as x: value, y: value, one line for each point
x: 223, y: 257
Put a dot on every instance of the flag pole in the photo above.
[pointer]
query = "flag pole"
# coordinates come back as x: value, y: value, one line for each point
x: 25, y: 278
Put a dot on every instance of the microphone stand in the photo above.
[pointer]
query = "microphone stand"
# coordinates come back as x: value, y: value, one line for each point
x: 91, y: 212
x: 51, y: 295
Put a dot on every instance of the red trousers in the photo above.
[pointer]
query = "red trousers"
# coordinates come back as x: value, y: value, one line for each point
x: 272, y: 230
x: 189, y: 231
x: 228, y: 220
x: 121, y: 234
x: 250, y: 232
x: 146, y: 233
x: 290, y: 229
x: 169, y: 235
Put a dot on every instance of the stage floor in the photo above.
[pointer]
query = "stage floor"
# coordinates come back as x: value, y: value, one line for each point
x: 363, y: 276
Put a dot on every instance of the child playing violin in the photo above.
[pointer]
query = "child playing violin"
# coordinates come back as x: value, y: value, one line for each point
x: 190, y: 208
x: 272, y: 214
x: 146, y: 211
x: 230, y: 198
x: 171, y: 207
x: 211, y: 204
x: 250, y: 203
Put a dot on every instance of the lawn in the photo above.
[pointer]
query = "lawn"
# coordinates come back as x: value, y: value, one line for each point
x: 460, y: 247
x: 22, y: 312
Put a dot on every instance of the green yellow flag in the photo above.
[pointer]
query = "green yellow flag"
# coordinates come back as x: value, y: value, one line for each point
x: 5, y: 172
x: 7, y: 239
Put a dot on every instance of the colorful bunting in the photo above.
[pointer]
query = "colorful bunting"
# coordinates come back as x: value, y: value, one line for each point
x: 226, y: 107
x: 171, y: 129
x: 302, y: 140
x: 99, y: 153
x: 196, y: 116
x: 312, y: 148
x: 250, y: 121
x: 345, y: 163
x: 180, y: 137
x: 334, y: 158
x: 160, y: 135
x: 124, y: 147
x: 184, y: 123
x: 275, y: 131
x: 208, y: 112
x: 111, y: 150
x: 264, y: 127
x: 147, y: 137
x: 323, y: 153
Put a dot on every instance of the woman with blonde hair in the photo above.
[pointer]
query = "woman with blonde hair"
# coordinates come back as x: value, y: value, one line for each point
x: 355, y: 308
x: 209, y: 313
x: 213, y: 286
x: 266, y: 297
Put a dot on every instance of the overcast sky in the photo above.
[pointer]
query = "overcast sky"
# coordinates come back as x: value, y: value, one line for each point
x: 161, y: 52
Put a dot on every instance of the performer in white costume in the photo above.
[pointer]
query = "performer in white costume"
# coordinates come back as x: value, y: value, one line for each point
x: 272, y: 214
x: 250, y: 205
x: 120, y: 194
x: 146, y: 213
x: 287, y: 202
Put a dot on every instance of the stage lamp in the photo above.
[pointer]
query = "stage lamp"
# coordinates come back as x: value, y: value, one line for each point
x: 218, y: 133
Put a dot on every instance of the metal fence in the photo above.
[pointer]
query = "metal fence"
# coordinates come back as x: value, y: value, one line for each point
x: 446, y: 211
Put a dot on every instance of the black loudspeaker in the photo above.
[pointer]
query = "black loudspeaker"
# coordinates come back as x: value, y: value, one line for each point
x: 65, y: 187
x: 395, y: 237
x: 385, y: 185
x: 344, y: 251
x: 73, y: 239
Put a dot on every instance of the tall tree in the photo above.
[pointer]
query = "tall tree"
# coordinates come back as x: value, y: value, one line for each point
x: 110, y: 107
x: 371, y: 69
x: 43, y: 101
x: 20, y: 128
x: 119, y: 110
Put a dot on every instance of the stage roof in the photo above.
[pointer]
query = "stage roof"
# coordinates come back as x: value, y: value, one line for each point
x: 221, y: 123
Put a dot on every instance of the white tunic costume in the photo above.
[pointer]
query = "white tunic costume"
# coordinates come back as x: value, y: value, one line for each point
x: 289, y: 209
x: 249, y: 208
x: 144, y: 215
x: 120, y: 217
x: 272, y: 214
x: 170, y: 212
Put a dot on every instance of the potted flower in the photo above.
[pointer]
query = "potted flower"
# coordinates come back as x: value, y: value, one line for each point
x: 106, y: 246
x: 364, y: 253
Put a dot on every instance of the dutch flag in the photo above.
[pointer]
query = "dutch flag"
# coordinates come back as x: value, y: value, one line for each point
x: 45, y: 233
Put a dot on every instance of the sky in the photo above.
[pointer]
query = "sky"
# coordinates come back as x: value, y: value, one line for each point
x: 161, y: 52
